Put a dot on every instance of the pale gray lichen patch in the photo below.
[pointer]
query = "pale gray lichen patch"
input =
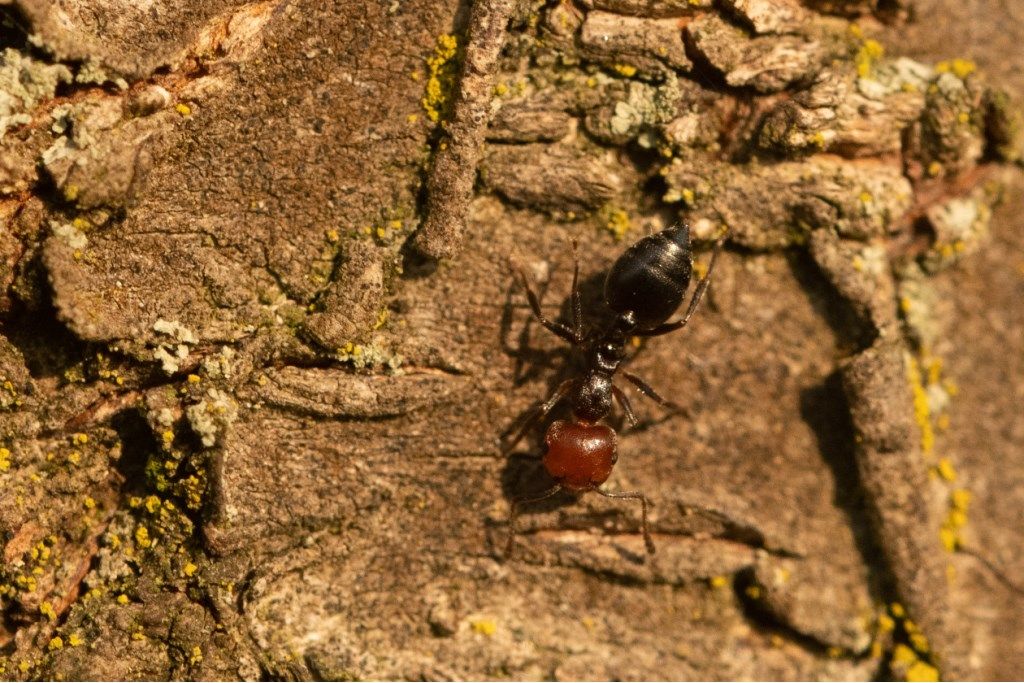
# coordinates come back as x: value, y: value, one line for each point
x: 70, y: 235
x: 918, y: 300
x: 100, y: 160
x: 960, y: 225
x: 632, y: 107
x: 24, y: 82
x: 220, y: 365
x: 211, y: 418
x: 172, y: 353
x: 175, y: 330
x: 369, y: 356
x: 91, y: 71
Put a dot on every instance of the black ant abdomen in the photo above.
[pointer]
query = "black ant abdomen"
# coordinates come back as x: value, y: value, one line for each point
x: 651, y: 277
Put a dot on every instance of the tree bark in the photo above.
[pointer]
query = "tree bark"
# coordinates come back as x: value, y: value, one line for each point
x: 260, y: 339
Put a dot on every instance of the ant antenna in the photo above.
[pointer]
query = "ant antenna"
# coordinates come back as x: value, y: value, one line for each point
x: 996, y: 572
x: 514, y: 515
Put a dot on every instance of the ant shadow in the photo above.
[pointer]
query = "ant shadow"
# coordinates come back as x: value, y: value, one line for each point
x: 523, y: 473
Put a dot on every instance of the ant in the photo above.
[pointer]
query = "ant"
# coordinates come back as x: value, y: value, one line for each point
x: 643, y: 289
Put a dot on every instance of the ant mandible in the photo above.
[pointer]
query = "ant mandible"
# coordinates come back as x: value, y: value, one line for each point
x: 643, y: 289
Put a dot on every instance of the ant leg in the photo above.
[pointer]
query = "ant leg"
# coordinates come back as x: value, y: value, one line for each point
x: 623, y: 400
x: 577, y: 304
x: 538, y: 413
x: 648, y: 391
x: 644, y: 503
x: 552, y: 326
x: 698, y: 294
x: 514, y: 514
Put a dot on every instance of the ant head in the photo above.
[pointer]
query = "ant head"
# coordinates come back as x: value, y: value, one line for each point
x: 580, y: 457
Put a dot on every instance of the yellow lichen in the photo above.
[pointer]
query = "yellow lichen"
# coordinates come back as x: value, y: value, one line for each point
x: 441, y: 70
x: 122, y: 599
x: 189, y: 569
x: 950, y: 534
x: 919, y: 642
x: 142, y: 538
x: 885, y: 623
x: 5, y: 459
x: 46, y: 609
x: 89, y: 502
x: 616, y: 222
x: 196, y: 656
x: 922, y: 412
x: 75, y: 640
x: 946, y: 470
x: 869, y: 53
x: 922, y: 672
x: 961, y: 68
x: 56, y: 643
x: 183, y: 109
x: 485, y: 627
x: 627, y: 70
x: 902, y: 654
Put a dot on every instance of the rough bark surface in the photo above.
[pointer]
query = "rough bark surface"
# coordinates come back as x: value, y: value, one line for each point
x: 260, y: 339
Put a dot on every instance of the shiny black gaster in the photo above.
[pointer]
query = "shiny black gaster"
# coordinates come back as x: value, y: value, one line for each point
x: 651, y: 277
